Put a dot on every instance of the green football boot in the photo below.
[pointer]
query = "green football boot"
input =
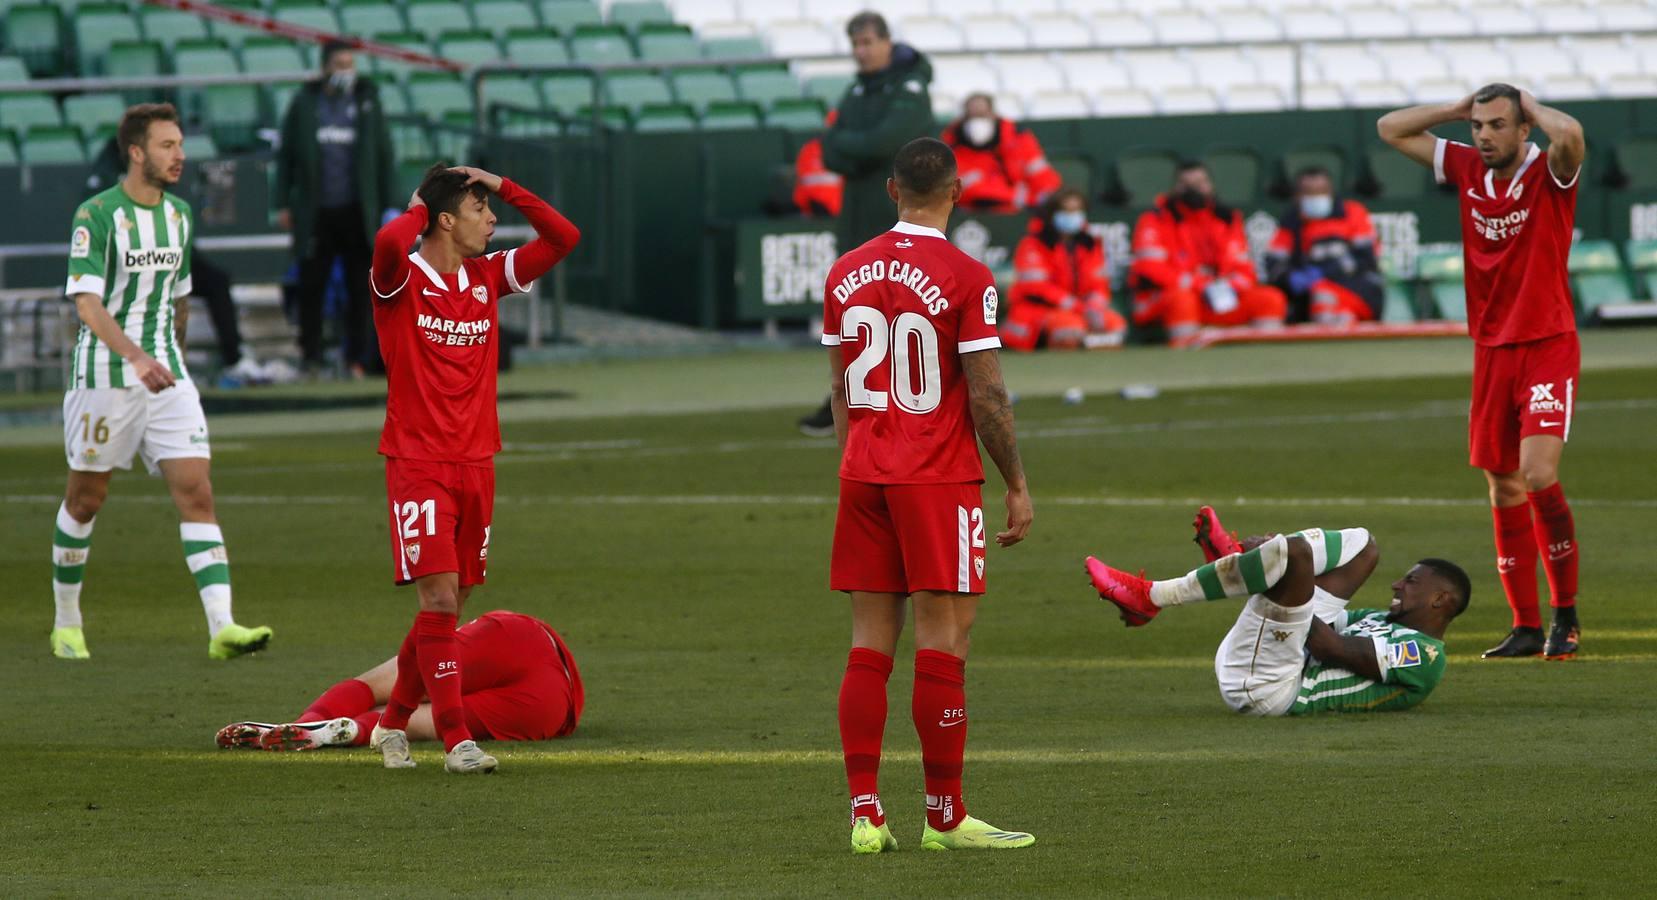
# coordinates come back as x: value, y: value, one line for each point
x: 237, y: 640
x: 868, y: 837
x: 69, y: 643
x: 974, y: 834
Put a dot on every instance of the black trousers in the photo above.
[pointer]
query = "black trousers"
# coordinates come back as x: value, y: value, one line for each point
x: 212, y: 284
x: 337, y: 233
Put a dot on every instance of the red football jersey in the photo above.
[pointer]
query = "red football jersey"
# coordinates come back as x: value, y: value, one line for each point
x: 439, y: 338
x: 902, y: 309
x: 1516, y: 237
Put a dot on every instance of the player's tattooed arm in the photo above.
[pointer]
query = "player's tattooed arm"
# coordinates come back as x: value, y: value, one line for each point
x: 1354, y: 654
x: 992, y: 417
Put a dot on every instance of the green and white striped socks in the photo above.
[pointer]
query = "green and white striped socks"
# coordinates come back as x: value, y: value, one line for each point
x: 204, y: 554
x: 1244, y: 574
x: 71, y: 542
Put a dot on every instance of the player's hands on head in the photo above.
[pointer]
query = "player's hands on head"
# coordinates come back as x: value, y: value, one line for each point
x: 474, y: 175
x: 1020, y: 512
x: 414, y: 200
x: 1464, y: 109
x: 154, y: 375
x: 1528, y: 105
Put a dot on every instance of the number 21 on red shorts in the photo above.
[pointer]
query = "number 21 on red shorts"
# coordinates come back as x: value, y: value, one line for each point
x: 440, y: 519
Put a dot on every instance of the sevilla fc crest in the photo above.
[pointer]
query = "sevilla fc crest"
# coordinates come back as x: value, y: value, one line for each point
x: 978, y: 565
x: 413, y: 551
x: 480, y: 293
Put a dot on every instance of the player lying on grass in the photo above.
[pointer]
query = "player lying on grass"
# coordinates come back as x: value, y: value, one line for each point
x: 1296, y: 648
x: 518, y: 679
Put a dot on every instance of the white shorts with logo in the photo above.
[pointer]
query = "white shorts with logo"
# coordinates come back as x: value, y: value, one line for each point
x: 1260, y: 661
x: 104, y: 427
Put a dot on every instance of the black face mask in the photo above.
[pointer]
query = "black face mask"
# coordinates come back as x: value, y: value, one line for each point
x: 1191, y: 197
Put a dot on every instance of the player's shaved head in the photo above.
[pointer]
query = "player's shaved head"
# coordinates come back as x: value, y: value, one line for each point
x: 443, y: 190
x: 1454, y: 577
x: 924, y: 170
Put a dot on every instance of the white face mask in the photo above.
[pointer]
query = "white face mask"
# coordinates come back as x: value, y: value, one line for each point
x: 1317, y: 206
x: 343, y: 81
x: 1069, y: 221
x: 978, y: 130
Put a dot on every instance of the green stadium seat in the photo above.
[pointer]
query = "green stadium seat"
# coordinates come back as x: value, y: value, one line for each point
x: 599, y: 44
x: 634, y: 14
x: 828, y: 88
x: 665, y: 117
x: 1636, y: 161
x: 1075, y: 171
x: 699, y: 87
x: 566, y: 92
x: 203, y: 58
x: 136, y: 59
x: 266, y: 55
x: 20, y: 112
x: 433, y: 17
x: 565, y: 16
x: 522, y: 123
x: 1597, y: 276
x: 500, y: 17
x: 766, y: 84
x: 232, y: 113
x: 803, y: 114
x: 634, y: 89
x: 36, y: 33
x: 734, y: 48
x: 89, y: 112
x: 169, y: 26
x: 47, y: 144
x: 437, y: 95
x: 1443, y: 271
x: 1236, y: 172
x: 12, y: 69
x: 1141, y: 173
x: 376, y: 17
x: 469, y: 47
x: 411, y: 142
x: 613, y: 117
x: 96, y: 28
x: 393, y: 99
x: 1394, y: 176
x: 1642, y: 263
x: 1327, y: 156
x: 1396, y: 305
x: 1593, y: 256
x: 279, y: 96
x: 537, y: 47
x: 199, y: 146
x: 726, y: 115
x: 407, y: 40
x: 319, y: 17
x: 673, y: 43
x: 513, y: 90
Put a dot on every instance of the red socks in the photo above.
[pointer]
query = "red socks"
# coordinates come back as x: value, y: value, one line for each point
x: 348, y: 698
x: 940, y: 711
x: 1556, y: 540
x: 365, y: 727
x: 439, y: 667
x: 862, y: 726
x: 1516, y: 562
x: 408, y: 689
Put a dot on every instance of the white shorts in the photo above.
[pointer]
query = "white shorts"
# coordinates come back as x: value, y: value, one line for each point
x: 104, y: 427
x: 1260, y: 661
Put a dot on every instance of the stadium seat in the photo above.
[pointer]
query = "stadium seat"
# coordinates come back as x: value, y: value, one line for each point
x: 500, y: 17
x: 1597, y: 275
x: 170, y: 26
x: 210, y: 57
x: 828, y: 88
x: 1391, y: 175
x: 200, y: 147
x: 1058, y: 105
x: 1123, y: 102
x: 438, y: 94
x: 470, y: 48
x: 20, y: 112
x: 997, y: 32
x: 407, y: 40
x: 1139, y: 174
x: 1631, y: 85
x: 802, y: 114
x: 89, y: 112
x: 764, y: 84
x: 765, y: 12
x: 319, y: 17
x: 393, y: 99
x: 375, y: 17
x: 1442, y: 272
x: 965, y: 73
x: 1257, y: 97
x: 433, y: 17
x: 97, y: 26
x: 1414, y: 63
x: 612, y: 118
x: 1222, y: 68
x: 537, y: 47
x: 36, y: 33
x: 1245, y: 23
x: 1185, y: 27
x: 567, y: 92
x: 565, y: 16
x: 734, y: 48
x: 936, y: 34
x: 1028, y: 73
x: 13, y: 69
x: 665, y: 117
x: 598, y: 44
x: 699, y: 87
x: 512, y: 90
x: 1381, y: 94
x: 1627, y: 16
x: 1345, y: 64
x: 1121, y: 28
x: 726, y: 115
x: 634, y: 89
x: 668, y: 43
x: 1186, y: 101
x: 1556, y: 17
x: 45, y: 144
x: 267, y: 55
x: 1058, y: 30
x: 633, y: 15
x: 1157, y: 70
x: 1237, y: 172
x: 231, y: 113
x: 1326, y: 156
x: 1642, y: 263
x: 1312, y: 23
x: 1493, y: 18
x: 802, y: 37
x: 1397, y: 305
x: 1377, y: 21
x: 700, y: 13
x: 8, y: 149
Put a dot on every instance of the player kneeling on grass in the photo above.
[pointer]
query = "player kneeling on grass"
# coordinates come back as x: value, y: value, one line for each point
x: 519, y: 683
x: 1296, y: 648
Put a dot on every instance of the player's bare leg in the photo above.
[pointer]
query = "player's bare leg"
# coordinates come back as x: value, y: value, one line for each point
x: 83, y: 497
x: 943, y: 636
x: 192, y: 491
x: 877, y: 623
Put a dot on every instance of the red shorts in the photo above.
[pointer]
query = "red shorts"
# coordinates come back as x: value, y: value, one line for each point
x: 1520, y: 390
x: 902, y: 538
x: 518, y: 680
x: 440, y: 515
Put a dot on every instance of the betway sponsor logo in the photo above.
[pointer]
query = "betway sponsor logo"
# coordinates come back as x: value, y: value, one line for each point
x: 452, y: 333
x: 1499, y: 228
x: 163, y: 260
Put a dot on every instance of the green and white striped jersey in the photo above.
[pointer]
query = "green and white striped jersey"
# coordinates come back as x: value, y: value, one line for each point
x: 137, y: 258
x: 1411, y: 665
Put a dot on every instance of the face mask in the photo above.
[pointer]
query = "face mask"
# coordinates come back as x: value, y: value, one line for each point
x: 1191, y: 197
x: 1317, y: 206
x: 979, y: 130
x: 1069, y: 221
x: 343, y: 81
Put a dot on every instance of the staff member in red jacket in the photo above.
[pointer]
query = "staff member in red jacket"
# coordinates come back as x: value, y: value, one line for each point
x: 1061, y: 291
x: 1191, y: 264
x: 1001, y: 163
x: 1324, y: 254
x: 817, y: 191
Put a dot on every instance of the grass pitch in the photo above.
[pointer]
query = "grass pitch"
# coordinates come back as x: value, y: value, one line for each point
x: 684, y: 557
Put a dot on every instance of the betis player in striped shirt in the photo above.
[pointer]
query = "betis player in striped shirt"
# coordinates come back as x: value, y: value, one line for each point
x: 129, y: 392
x: 1296, y: 648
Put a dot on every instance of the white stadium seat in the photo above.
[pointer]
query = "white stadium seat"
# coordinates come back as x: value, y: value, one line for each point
x: 1312, y: 23
x: 1274, y: 62
x: 995, y: 32
x: 1441, y: 90
x: 763, y: 12
x: 1572, y: 87
x: 1254, y: 98
x: 1501, y: 18
x: 1185, y: 28
x: 1158, y: 69
x: 1322, y: 96
x: 1603, y: 58
x: 1628, y: 16
x: 931, y: 35
x: 1221, y: 67
x: 946, y: 104
x: 1182, y: 101
x: 1378, y: 93
x: 1631, y: 86
x: 1094, y: 70
x: 1058, y: 105
x: 696, y: 12
x: 960, y: 9
x: 1028, y: 73
x: 1558, y: 17
x: 965, y: 74
x: 1346, y: 64
x: 836, y: 13
x: 802, y: 38
x: 1121, y: 29
x: 1414, y: 63
x: 1058, y: 30
x: 1539, y: 57
x: 901, y: 9
x: 1122, y: 102
x: 725, y: 30
x: 1377, y: 22
x: 1439, y: 20
x: 1009, y: 105
x: 1246, y: 23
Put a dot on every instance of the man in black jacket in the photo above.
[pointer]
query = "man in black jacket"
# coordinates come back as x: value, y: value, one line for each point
x: 334, y: 176
x: 886, y: 107
x: 1324, y: 255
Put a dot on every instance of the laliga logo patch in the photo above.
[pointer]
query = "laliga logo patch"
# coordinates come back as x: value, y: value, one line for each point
x: 413, y: 551
x: 991, y: 301
x: 80, y: 246
x: 480, y: 293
